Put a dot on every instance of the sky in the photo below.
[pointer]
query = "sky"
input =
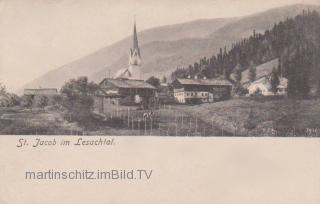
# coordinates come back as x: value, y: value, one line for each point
x: 37, y: 36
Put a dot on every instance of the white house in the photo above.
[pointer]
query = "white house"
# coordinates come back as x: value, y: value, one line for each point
x: 262, y: 82
x: 263, y: 85
x: 194, y: 91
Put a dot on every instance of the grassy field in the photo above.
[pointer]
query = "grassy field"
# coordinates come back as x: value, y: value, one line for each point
x: 19, y: 121
x: 242, y: 117
x: 262, y: 116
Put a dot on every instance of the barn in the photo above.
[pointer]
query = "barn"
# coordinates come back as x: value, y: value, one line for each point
x: 41, y: 91
x: 193, y: 91
x: 125, y: 92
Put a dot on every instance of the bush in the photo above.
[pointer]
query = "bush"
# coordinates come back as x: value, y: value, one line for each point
x: 78, y: 99
x: 9, y: 99
x: 257, y: 92
x: 26, y: 101
x: 239, y: 90
x: 40, y: 101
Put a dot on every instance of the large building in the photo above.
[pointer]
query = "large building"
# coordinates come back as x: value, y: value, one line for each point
x: 194, y: 91
x: 41, y: 92
x: 115, y: 92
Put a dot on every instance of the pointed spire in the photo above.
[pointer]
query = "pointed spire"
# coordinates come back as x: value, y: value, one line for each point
x: 135, y: 37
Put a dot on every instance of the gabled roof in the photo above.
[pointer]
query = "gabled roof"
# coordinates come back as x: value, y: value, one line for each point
x: 283, y: 82
x: 205, y: 82
x: 128, y: 83
x: 123, y: 73
x: 41, y: 91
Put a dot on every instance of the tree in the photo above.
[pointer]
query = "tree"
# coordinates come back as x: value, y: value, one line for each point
x: 164, y: 79
x: 78, y: 98
x: 26, y: 101
x: 2, y: 88
x: 282, y: 41
x: 154, y: 81
x: 252, y: 73
x: 298, y: 74
x: 13, y: 99
x: 274, y: 81
x: 41, y: 101
x: 237, y: 73
x: 238, y: 89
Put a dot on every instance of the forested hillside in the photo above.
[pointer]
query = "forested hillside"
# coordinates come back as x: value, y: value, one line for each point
x: 295, y: 41
x: 164, y: 48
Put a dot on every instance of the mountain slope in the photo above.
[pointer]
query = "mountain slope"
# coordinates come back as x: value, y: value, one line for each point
x: 109, y: 55
x: 191, y: 50
x: 165, y: 48
x: 259, y: 22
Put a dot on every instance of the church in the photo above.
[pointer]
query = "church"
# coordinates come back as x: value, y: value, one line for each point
x: 134, y: 69
x: 127, y: 86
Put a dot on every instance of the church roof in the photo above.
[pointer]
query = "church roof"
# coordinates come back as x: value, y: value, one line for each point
x: 135, y: 39
x: 123, y: 73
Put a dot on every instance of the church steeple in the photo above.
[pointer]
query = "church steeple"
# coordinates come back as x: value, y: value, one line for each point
x: 134, y: 69
x: 135, y: 56
x: 135, y: 37
x: 135, y: 46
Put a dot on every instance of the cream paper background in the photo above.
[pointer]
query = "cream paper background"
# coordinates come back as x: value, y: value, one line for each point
x: 186, y: 170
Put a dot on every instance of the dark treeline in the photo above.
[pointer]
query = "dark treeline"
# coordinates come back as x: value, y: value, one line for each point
x: 295, y: 41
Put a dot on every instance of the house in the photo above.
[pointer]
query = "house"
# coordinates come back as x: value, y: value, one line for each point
x: 165, y: 94
x: 263, y: 86
x: 262, y: 81
x: 262, y: 70
x: 49, y: 93
x: 115, y: 92
x: 41, y: 92
x: 194, y: 91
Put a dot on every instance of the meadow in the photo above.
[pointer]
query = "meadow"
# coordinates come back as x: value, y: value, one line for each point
x: 260, y: 116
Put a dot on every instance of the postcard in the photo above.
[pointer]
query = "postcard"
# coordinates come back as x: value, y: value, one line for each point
x: 143, y: 101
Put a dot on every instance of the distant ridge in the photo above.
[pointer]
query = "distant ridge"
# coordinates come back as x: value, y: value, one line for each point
x: 166, y: 47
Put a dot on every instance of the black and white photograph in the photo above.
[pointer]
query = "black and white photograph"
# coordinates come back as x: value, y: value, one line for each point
x: 159, y: 101
x: 180, y: 68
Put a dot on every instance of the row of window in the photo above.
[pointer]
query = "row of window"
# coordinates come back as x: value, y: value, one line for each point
x: 195, y: 94
x: 192, y: 94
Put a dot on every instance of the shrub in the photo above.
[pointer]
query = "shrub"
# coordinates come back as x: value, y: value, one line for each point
x: 41, y: 101
x: 239, y: 90
x: 257, y: 92
x: 78, y: 99
x: 26, y: 101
